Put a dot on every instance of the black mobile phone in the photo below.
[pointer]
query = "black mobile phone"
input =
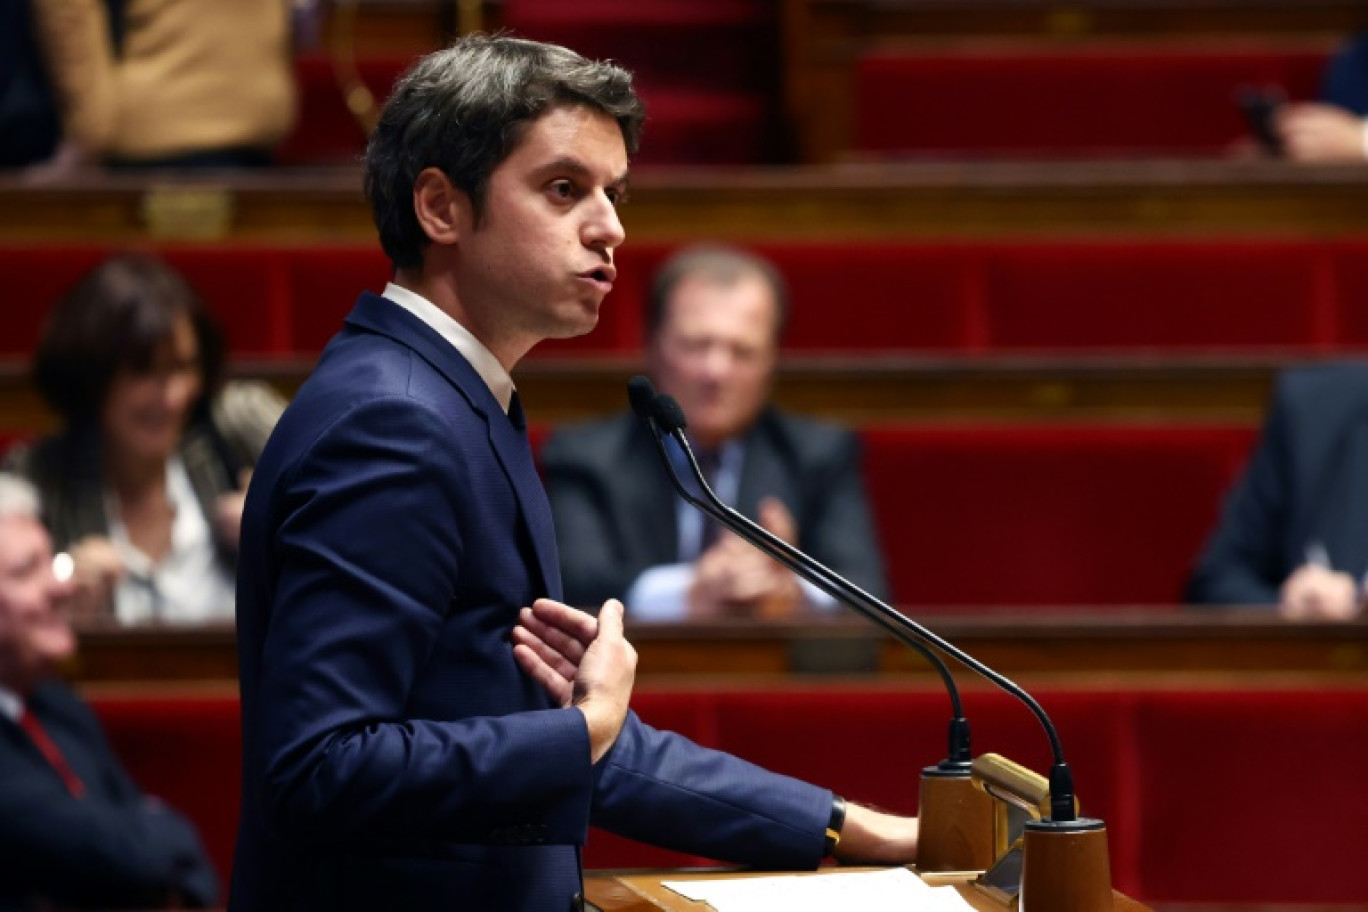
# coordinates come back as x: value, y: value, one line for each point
x: 1259, y: 107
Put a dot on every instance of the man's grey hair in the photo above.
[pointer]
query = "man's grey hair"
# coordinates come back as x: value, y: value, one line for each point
x: 17, y: 497
x: 464, y: 109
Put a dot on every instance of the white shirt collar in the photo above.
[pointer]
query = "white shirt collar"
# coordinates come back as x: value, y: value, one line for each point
x: 11, y: 705
x: 461, y: 339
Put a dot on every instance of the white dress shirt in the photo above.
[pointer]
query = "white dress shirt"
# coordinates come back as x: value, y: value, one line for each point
x: 189, y: 584
x: 11, y: 705
x: 661, y: 593
x: 461, y: 339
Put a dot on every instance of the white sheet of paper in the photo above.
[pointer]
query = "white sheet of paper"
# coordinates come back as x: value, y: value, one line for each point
x: 894, y: 890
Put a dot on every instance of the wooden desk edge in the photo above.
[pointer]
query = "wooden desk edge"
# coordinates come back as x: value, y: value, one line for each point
x: 642, y: 891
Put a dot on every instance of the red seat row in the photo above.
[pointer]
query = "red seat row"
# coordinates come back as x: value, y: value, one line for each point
x: 1095, y: 99
x: 1192, y: 788
x: 1030, y: 516
x: 705, y: 121
x: 1047, y: 515
x: 940, y: 297
x: 1044, y: 515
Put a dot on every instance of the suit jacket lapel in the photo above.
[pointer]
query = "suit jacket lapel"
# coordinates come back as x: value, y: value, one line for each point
x: 514, y: 452
x: 510, y: 445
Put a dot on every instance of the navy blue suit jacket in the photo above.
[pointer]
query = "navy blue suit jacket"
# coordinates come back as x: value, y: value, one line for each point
x: 395, y: 756
x: 1346, y: 76
x: 112, y: 848
x: 1306, y: 486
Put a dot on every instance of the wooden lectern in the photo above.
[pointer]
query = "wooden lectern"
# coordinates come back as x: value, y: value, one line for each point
x: 1032, y: 865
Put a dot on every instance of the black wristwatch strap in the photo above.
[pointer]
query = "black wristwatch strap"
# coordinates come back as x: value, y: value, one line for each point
x: 834, y: 824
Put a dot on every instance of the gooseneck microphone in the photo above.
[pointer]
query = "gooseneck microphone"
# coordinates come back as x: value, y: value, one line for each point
x: 664, y: 417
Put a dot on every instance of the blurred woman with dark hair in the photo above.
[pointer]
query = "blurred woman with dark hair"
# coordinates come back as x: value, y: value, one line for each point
x: 144, y: 482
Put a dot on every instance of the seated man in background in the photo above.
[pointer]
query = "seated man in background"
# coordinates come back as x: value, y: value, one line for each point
x: 74, y: 830
x: 1294, y: 531
x: 714, y: 320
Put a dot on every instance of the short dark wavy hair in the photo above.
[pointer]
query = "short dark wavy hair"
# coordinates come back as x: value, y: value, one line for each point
x: 465, y: 109
x: 115, y: 318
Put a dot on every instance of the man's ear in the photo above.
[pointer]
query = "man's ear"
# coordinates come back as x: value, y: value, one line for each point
x: 444, y: 212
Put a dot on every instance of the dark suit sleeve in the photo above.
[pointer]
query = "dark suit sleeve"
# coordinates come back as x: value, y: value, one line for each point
x: 660, y: 788
x: 1346, y: 77
x: 370, y: 543
x: 1243, y: 561
x: 594, y: 565
x: 840, y: 529
x: 111, y: 848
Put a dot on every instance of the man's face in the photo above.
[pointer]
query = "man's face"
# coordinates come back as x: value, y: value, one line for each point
x: 34, y: 633
x: 715, y: 353
x: 541, y: 259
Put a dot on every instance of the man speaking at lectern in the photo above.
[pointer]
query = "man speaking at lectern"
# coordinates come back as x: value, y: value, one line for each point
x: 414, y: 736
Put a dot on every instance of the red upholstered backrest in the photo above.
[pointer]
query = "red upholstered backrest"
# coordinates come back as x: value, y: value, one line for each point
x: 1117, y: 294
x: 1252, y: 796
x: 849, y: 298
x: 1221, y: 795
x: 324, y: 284
x: 1098, y: 99
x: 1048, y: 514
x: 33, y: 278
x: 870, y: 745
x: 1350, y: 281
x: 879, y: 296
x: 326, y: 131
x: 186, y: 750
x: 1166, y: 295
x: 242, y: 286
x: 246, y: 291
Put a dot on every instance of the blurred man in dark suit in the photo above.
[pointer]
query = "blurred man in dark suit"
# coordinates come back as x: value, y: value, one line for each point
x: 75, y: 832
x: 714, y: 320
x: 1294, y: 531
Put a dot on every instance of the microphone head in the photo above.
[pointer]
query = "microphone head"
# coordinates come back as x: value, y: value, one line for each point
x: 668, y: 414
x: 642, y: 395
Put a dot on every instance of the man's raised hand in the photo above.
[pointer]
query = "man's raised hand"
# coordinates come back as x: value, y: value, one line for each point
x: 581, y: 661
